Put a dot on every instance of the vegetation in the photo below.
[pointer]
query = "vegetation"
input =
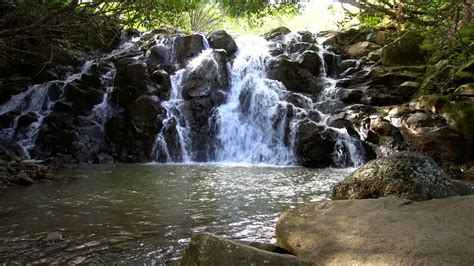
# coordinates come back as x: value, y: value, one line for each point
x: 446, y: 24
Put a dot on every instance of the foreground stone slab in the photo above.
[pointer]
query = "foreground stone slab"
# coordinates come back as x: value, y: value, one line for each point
x: 384, y: 231
x: 208, y: 249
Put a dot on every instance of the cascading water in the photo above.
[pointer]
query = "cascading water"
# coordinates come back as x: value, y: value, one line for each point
x: 37, y: 102
x: 219, y: 108
x: 253, y: 123
x: 257, y: 123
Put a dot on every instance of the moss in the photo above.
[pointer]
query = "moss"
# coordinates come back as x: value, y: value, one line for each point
x: 404, y: 51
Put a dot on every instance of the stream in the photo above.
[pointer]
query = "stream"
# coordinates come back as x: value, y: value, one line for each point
x: 146, y: 213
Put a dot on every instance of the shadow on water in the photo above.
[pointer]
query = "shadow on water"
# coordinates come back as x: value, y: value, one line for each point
x: 147, y: 213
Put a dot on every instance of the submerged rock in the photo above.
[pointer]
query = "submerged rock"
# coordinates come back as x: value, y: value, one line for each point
x: 207, y: 249
x: 385, y: 231
x: 409, y: 175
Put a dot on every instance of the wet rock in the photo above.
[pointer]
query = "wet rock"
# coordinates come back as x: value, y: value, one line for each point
x: 409, y: 175
x: 310, y: 61
x: 187, y: 47
x: 136, y: 74
x: 384, y: 231
x: 159, y: 54
x: 294, y: 77
x: 307, y: 36
x: 144, y: 109
x: 208, y: 249
x: 222, y: 40
x: 27, y: 119
x: 314, y: 145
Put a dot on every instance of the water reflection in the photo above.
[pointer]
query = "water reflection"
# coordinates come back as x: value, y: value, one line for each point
x: 147, y: 213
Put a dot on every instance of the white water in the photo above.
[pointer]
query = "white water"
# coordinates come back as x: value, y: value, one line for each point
x: 252, y: 124
x: 256, y: 124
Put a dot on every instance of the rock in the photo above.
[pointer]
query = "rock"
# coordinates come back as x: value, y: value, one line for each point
x: 314, y: 144
x: 443, y: 144
x: 384, y: 231
x: 276, y: 33
x: 386, y: 137
x: 136, y: 74
x: 404, y: 51
x: 345, y: 38
x: 294, y: 77
x: 361, y: 49
x: 222, y: 40
x: 377, y: 97
x: 409, y: 175
x: 351, y: 96
x: 375, y: 55
x: 310, y: 61
x: 408, y: 88
x: 207, y: 249
x: 307, y: 36
x: 144, y: 109
x: 159, y: 54
x: 27, y: 119
x: 187, y: 47
x: 207, y: 77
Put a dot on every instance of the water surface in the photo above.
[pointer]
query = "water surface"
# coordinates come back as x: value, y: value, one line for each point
x: 147, y: 213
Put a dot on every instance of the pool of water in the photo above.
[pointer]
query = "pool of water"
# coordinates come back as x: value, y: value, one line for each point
x: 147, y: 213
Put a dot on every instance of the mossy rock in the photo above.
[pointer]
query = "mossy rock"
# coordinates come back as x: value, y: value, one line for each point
x: 459, y: 115
x: 404, y: 51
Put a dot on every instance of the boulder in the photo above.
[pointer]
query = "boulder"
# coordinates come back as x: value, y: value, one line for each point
x: 409, y: 175
x: 314, y: 144
x: 384, y: 231
x: 310, y: 61
x: 207, y: 249
x: 136, y: 74
x: 404, y: 51
x: 187, y: 47
x: 292, y: 75
x: 158, y: 54
x: 361, y: 49
x: 222, y: 40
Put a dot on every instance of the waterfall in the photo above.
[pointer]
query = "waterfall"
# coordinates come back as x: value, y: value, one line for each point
x: 257, y: 123
x: 252, y: 123
x: 219, y: 108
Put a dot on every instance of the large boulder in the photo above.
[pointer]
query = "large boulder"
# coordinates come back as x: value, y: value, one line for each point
x: 222, y: 40
x: 404, y: 51
x: 207, y: 249
x: 408, y: 175
x: 385, y: 231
